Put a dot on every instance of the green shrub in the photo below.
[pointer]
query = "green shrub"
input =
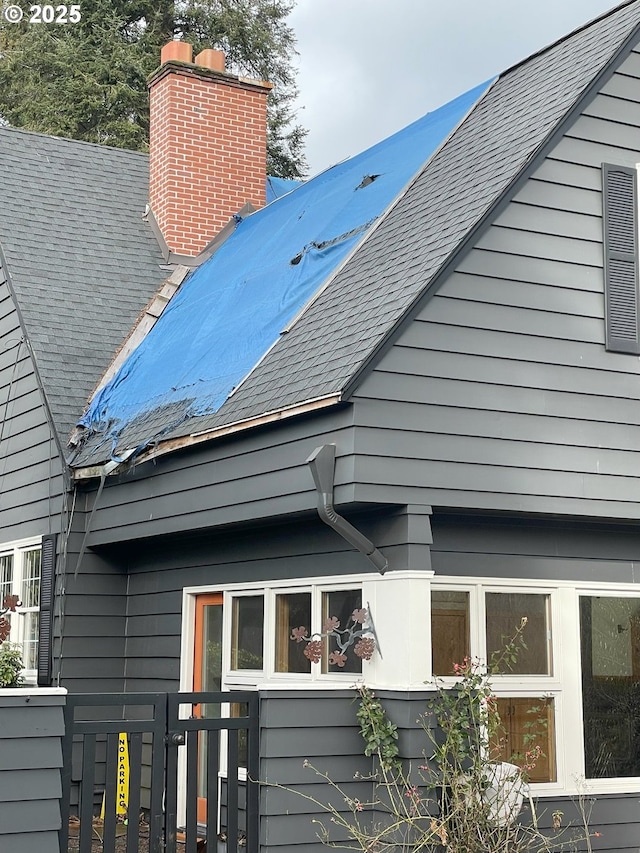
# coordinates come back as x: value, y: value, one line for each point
x: 11, y: 665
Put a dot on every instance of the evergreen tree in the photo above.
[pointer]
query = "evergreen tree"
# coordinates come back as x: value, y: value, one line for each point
x: 87, y: 80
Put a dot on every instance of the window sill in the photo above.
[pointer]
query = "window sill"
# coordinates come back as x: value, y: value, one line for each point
x: 32, y: 690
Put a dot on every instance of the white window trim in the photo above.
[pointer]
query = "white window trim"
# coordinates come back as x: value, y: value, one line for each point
x: 16, y: 548
x: 405, y: 642
x: 511, y: 684
x: 565, y: 684
x: 267, y: 677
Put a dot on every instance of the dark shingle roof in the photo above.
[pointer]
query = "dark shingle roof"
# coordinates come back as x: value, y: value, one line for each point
x: 338, y: 332
x: 82, y: 261
x: 482, y: 158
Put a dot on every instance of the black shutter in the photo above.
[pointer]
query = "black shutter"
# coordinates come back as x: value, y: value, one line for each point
x: 45, y: 633
x: 621, y: 258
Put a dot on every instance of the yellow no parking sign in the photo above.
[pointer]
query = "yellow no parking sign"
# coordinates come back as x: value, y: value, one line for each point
x: 122, y: 785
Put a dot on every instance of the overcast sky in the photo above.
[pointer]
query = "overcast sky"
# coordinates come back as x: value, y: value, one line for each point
x: 369, y: 67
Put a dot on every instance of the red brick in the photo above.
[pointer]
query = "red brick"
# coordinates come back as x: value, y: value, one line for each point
x: 208, y: 153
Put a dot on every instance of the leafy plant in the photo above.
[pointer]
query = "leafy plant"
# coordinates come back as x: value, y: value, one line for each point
x: 380, y: 735
x: 11, y: 665
x: 89, y: 80
x: 462, y: 797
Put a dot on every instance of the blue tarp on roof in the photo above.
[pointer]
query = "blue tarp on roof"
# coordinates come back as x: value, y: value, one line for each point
x: 277, y: 187
x: 233, y: 308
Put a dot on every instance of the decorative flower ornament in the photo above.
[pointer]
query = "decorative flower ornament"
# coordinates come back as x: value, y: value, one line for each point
x: 359, y: 625
x: 9, y: 604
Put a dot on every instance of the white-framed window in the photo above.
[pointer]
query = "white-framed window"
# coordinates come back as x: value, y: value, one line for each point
x: 20, y: 574
x: 480, y: 621
x: 577, y: 682
x: 263, y: 630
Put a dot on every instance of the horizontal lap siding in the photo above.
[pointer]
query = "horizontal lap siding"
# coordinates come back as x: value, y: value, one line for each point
x: 30, y: 471
x: 90, y: 656
x: 31, y: 729
x: 319, y: 727
x: 548, y: 551
x: 159, y: 573
x: 262, y: 474
x: 500, y: 394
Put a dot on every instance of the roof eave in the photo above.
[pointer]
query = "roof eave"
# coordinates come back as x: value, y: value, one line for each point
x: 171, y: 445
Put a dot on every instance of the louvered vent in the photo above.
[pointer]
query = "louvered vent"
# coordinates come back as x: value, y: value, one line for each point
x: 620, y: 207
x: 621, y: 263
x: 623, y: 307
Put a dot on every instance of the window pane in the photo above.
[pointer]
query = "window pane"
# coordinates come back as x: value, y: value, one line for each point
x: 293, y: 610
x: 340, y: 604
x: 526, y: 737
x: 30, y: 587
x: 610, y: 646
x: 240, y: 709
x: 247, y: 629
x: 30, y: 639
x: 211, y: 675
x: 505, y: 611
x: 449, y: 629
x: 6, y: 576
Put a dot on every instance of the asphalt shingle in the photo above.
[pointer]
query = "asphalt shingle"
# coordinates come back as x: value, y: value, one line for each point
x: 81, y: 259
x: 337, y: 334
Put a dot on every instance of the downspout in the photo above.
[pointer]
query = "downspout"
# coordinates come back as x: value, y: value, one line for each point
x: 322, y: 463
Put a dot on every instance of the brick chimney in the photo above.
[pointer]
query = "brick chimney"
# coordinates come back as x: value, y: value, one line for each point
x: 207, y: 146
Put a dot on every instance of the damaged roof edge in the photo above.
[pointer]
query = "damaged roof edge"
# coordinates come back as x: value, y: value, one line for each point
x: 147, y: 319
x: 162, y: 448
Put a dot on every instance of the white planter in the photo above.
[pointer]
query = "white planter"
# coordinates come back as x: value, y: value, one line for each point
x: 505, y: 792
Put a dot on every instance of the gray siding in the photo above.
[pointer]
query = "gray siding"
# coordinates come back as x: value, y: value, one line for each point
x: 261, y: 474
x: 159, y: 571
x: 500, y: 393
x: 31, y: 485
x: 91, y: 617
x: 31, y: 728
x: 537, y: 549
x: 321, y: 728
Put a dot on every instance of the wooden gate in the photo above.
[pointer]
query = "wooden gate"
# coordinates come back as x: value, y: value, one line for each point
x: 184, y: 750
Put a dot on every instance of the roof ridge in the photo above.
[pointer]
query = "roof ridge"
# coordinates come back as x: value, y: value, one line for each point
x: 510, y: 188
x: 65, y: 139
x: 614, y: 10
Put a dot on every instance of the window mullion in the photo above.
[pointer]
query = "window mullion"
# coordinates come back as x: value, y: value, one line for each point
x: 269, y: 632
x: 478, y: 631
x: 568, y: 672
